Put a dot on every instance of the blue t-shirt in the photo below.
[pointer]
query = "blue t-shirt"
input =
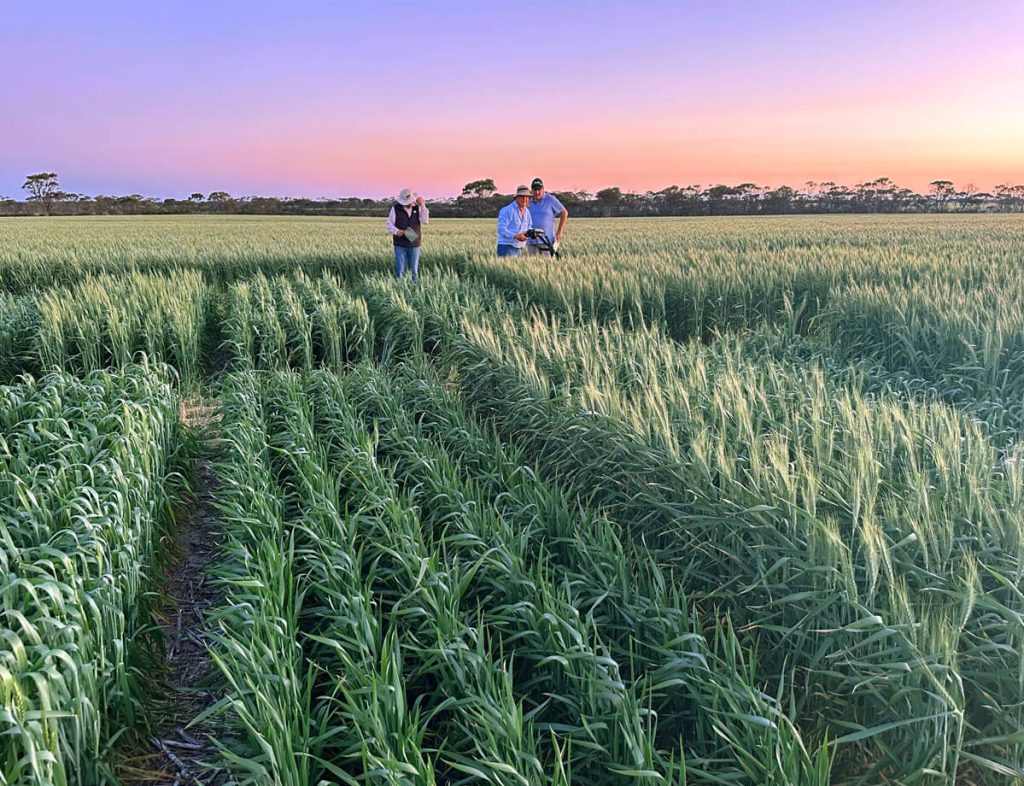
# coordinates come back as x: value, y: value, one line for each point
x: 544, y: 213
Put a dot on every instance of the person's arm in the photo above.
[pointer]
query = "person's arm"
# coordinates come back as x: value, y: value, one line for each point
x: 561, y: 223
x: 391, y: 223
x: 559, y: 209
x: 424, y: 211
x: 506, y: 229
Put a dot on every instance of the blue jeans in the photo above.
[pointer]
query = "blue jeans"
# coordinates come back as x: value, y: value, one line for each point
x: 508, y: 251
x: 407, y: 258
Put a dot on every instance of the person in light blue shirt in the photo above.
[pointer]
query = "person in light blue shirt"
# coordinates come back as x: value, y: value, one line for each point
x: 513, y: 222
x: 544, y: 208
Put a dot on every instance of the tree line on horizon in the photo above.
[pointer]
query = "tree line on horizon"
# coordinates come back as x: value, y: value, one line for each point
x: 480, y: 198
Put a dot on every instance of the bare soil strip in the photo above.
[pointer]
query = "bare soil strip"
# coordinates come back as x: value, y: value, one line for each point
x: 179, y: 755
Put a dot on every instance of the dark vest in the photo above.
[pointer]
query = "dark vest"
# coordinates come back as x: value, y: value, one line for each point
x: 405, y: 221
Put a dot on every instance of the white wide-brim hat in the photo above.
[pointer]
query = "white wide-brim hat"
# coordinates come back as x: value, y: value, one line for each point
x: 406, y: 196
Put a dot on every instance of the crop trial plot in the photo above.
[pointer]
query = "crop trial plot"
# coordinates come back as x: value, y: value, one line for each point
x: 737, y: 503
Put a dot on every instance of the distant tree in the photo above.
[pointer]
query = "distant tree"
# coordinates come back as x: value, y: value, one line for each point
x: 941, y: 192
x: 717, y: 197
x: 905, y: 199
x: 1009, y: 198
x: 838, y: 198
x: 1003, y: 196
x: 130, y: 204
x: 44, y: 189
x: 265, y: 205
x: 968, y: 197
x: 480, y: 189
x: 883, y: 188
x: 780, y: 200
x: 222, y: 201
x: 196, y: 197
x: 877, y: 195
x: 608, y: 199
x: 1016, y: 196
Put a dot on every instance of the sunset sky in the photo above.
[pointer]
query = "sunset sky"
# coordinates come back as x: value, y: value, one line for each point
x: 343, y: 98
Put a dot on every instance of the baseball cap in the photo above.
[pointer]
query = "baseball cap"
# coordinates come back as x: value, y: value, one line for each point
x: 537, y: 183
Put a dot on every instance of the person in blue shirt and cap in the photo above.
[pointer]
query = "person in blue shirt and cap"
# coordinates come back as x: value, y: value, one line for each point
x: 513, y: 222
x: 544, y: 208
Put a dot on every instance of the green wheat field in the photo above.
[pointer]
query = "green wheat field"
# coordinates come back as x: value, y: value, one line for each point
x: 708, y: 501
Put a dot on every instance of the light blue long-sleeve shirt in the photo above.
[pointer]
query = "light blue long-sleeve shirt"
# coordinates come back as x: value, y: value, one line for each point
x: 510, y: 223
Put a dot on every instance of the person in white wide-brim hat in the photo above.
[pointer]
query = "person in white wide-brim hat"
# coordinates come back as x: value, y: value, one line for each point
x: 405, y: 221
x: 513, y: 222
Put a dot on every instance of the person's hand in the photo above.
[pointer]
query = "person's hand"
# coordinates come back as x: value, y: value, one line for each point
x: 400, y: 233
x: 419, y: 201
x: 558, y: 237
x: 520, y: 237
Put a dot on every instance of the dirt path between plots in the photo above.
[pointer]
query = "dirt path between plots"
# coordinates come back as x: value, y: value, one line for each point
x: 180, y: 756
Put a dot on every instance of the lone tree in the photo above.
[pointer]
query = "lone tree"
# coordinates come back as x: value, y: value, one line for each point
x: 44, y: 189
x: 479, y: 188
